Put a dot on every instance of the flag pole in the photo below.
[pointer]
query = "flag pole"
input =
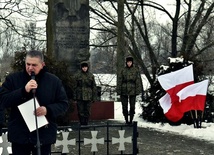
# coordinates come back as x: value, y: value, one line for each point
x: 194, y: 123
x: 196, y: 118
x: 202, y: 115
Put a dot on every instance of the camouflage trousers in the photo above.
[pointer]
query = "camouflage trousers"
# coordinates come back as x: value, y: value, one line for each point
x: 84, y: 108
x: 125, y: 99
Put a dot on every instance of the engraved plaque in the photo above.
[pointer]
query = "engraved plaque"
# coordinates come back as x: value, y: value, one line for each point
x: 70, y: 28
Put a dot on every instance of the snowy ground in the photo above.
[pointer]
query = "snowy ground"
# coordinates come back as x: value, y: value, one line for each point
x: 205, y: 133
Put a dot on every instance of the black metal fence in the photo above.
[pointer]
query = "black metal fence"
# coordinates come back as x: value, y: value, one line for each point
x: 107, y: 138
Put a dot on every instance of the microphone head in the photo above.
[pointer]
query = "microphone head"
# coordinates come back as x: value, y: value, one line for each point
x: 33, y: 75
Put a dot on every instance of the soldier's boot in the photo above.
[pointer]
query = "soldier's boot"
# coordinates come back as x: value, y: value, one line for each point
x: 86, y: 121
x: 131, y: 118
x: 79, y: 117
x: 126, y: 119
x: 81, y: 120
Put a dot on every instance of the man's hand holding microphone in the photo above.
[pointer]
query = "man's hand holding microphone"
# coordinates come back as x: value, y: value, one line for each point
x: 32, y: 86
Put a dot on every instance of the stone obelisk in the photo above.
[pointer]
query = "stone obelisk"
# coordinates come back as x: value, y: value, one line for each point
x: 68, y: 31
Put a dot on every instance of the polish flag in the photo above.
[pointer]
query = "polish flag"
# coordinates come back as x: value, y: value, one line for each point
x: 193, y: 97
x: 171, y: 111
x: 175, y: 81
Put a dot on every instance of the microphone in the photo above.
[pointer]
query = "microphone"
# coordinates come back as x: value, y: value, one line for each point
x: 33, y: 77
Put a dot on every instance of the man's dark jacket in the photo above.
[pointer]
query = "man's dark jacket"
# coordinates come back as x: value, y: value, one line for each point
x: 50, y: 93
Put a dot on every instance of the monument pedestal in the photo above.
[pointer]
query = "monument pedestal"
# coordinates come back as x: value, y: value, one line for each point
x: 100, y: 110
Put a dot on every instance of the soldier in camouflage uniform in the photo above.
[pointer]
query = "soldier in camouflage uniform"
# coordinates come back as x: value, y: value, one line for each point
x: 84, y: 93
x: 129, y: 85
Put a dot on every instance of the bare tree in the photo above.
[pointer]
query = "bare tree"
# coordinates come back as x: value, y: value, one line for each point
x: 17, y: 14
x: 103, y: 55
x: 183, y: 40
x: 20, y: 27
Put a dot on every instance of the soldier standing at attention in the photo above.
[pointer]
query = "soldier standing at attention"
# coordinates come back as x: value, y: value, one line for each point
x: 129, y: 85
x: 84, y: 93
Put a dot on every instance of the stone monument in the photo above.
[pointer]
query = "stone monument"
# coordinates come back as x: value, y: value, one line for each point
x: 68, y: 31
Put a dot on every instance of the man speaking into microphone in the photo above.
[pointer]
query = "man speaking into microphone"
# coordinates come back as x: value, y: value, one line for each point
x: 22, y: 86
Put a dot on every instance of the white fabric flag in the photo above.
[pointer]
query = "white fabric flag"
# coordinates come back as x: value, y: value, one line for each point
x: 175, y: 81
x: 171, y: 111
x: 170, y: 80
x: 165, y: 103
x: 199, y: 88
x: 193, y: 97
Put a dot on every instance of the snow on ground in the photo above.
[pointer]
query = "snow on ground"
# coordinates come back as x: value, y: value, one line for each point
x: 205, y: 133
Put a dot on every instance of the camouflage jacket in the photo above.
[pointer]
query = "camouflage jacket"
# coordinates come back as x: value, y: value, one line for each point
x: 84, y: 87
x: 129, y: 81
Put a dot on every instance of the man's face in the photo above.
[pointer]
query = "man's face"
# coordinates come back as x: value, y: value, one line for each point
x: 85, y: 68
x: 33, y: 64
x: 129, y: 63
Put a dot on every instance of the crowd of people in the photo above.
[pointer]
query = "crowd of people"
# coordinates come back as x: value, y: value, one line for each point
x: 35, y: 82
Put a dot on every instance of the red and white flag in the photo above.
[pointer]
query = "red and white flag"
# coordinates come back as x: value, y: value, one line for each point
x: 193, y: 97
x: 171, y: 111
x: 175, y: 81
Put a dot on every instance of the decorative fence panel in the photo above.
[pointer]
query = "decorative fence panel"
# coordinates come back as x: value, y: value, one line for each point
x: 109, y: 139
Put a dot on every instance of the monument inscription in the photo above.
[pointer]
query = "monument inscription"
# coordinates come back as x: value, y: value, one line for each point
x: 70, y: 28
x: 72, y: 37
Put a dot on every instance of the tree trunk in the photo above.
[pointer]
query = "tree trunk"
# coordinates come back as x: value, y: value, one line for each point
x: 120, y: 36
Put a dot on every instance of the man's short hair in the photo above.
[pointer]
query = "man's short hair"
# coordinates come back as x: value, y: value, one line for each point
x: 35, y: 53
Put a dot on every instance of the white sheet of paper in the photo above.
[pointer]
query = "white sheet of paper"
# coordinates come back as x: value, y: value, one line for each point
x: 27, y: 111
